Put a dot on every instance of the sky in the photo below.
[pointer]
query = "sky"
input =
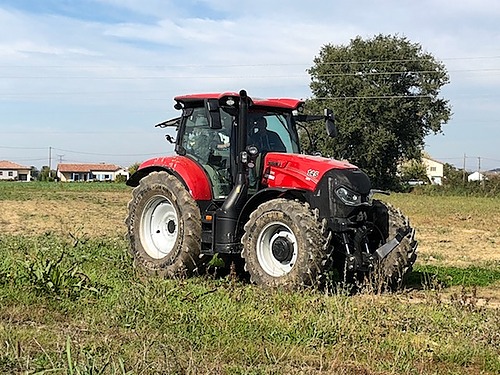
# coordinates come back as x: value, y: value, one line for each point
x: 84, y: 81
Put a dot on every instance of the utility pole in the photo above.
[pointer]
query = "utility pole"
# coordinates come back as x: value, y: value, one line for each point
x: 464, y: 174
x: 50, y: 162
x: 480, y: 176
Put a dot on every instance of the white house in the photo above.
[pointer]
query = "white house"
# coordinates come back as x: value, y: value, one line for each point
x: 89, y: 172
x: 435, y: 170
x: 476, y: 176
x: 14, y: 172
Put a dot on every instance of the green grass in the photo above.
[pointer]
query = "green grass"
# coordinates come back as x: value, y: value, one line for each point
x: 14, y: 190
x: 74, y: 304
x: 122, y: 322
x: 486, y: 275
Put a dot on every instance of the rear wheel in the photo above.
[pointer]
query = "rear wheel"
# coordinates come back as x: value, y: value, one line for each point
x: 164, y: 226
x: 283, y: 245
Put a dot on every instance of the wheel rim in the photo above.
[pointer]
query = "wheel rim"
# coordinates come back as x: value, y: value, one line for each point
x: 277, y: 249
x: 159, y: 227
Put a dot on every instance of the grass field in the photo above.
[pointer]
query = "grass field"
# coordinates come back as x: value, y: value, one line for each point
x: 71, y: 301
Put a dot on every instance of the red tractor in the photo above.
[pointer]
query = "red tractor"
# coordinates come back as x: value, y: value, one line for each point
x: 239, y: 186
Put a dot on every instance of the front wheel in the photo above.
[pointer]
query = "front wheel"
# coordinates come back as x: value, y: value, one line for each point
x: 164, y: 226
x: 392, y: 269
x: 284, y: 245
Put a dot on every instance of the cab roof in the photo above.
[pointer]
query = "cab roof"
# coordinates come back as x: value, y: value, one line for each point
x: 282, y: 103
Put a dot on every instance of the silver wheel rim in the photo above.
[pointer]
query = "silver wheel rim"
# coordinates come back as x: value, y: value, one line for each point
x: 271, y: 233
x: 159, y: 227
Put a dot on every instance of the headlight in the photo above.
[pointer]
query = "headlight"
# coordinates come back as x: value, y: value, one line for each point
x: 348, y: 196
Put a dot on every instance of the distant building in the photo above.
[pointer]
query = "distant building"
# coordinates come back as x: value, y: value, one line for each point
x: 89, y: 172
x: 476, y: 176
x: 494, y: 172
x: 14, y: 172
x: 434, y: 169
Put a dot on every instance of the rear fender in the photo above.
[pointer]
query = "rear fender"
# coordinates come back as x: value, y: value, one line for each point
x: 190, y: 173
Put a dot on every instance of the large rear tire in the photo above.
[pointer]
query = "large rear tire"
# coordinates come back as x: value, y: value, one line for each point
x: 284, y: 245
x: 164, y: 226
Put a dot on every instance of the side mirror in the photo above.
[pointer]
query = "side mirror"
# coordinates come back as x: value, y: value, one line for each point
x: 331, y: 129
x: 212, y: 107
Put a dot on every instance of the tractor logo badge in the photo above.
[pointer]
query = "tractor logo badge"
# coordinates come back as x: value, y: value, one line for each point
x: 312, y: 173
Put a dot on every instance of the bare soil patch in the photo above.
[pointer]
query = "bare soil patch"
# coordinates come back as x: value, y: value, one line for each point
x: 83, y: 214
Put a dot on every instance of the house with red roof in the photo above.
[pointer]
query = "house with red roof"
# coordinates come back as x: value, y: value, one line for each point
x: 89, y: 172
x: 14, y: 172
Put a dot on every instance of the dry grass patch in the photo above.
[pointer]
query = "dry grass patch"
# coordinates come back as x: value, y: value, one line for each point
x: 95, y: 216
x: 453, y: 231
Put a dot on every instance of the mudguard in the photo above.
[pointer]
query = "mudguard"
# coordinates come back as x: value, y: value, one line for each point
x: 190, y: 173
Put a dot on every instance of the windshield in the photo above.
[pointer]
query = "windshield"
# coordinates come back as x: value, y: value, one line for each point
x: 271, y: 131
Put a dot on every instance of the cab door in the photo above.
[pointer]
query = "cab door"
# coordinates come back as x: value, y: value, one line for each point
x: 211, y: 148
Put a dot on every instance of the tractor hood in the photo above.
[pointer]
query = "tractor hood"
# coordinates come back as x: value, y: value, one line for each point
x: 298, y: 171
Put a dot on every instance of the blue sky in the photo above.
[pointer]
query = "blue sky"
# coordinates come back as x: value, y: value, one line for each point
x: 88, y: 79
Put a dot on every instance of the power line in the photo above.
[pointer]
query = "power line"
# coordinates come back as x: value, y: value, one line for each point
x: 489, y: 159
x: 80, y: 152
x: 373, y: 97
x: 24, y: 148
x: 105, y: 154
x: 247, y: 76
x: 25, y: 159
x: 163, y: 66
x: 68, y: 133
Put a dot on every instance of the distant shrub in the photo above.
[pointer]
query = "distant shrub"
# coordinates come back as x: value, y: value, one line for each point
x: 487, y: 188
x: 120, y: 179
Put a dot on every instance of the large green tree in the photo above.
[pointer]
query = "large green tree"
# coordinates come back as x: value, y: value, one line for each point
x: 385, y: 95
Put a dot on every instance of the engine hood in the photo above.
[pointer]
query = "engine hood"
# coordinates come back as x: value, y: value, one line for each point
x: 298, y: 171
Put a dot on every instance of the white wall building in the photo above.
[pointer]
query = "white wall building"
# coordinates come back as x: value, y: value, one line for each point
x: 435, y: 170
x: 476, y: 176
x: 89, y: 172
x: 14, y: 172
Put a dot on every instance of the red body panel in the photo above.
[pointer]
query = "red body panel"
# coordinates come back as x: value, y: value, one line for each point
x: 285, y: 103
x: 298, y: 171
x: 192, y: 173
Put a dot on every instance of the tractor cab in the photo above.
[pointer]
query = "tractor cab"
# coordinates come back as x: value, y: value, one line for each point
x: 210, y: 133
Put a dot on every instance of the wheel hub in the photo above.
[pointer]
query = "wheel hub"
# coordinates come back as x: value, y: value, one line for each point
x: 171, y: 226
x: 159, y: 227
x: 282, y: 249
x: 277, y: 249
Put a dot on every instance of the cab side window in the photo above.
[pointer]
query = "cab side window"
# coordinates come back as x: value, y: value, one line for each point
x: 210, y: 148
